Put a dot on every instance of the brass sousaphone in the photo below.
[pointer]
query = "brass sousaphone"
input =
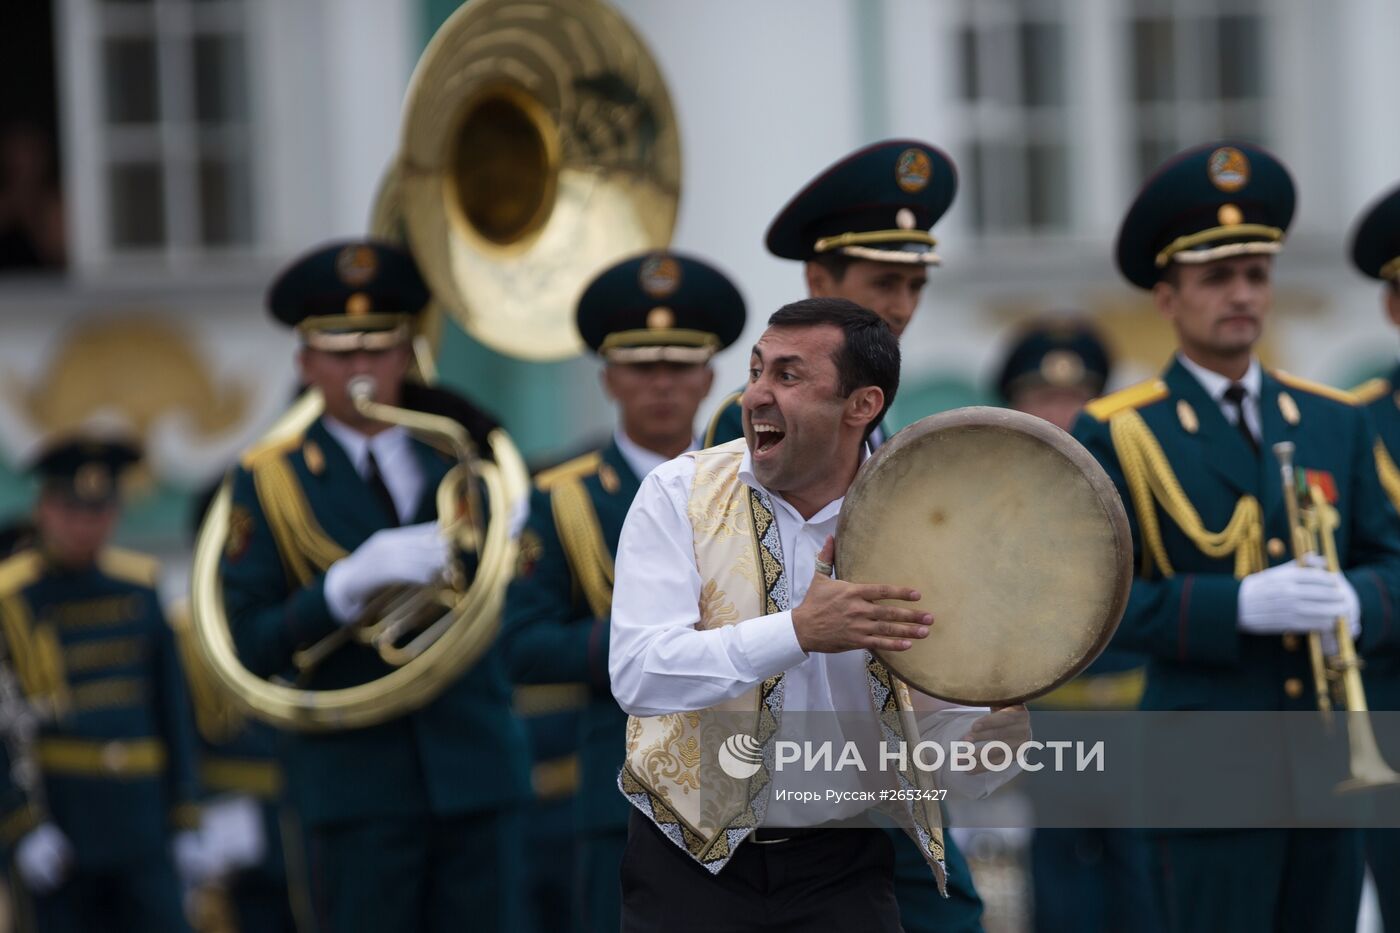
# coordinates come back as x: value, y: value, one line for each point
x: 1015, y: 538
x: 538, y: 146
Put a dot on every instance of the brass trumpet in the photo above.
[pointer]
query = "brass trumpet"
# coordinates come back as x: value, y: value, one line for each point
x: 1312, y: 523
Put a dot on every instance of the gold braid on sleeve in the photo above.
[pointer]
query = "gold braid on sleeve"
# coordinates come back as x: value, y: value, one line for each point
x: 1151, y: 481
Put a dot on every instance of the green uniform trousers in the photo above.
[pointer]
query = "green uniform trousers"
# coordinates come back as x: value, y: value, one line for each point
x: 143, y: 898
x: 1383, y: 855
x: 421, y: 874
x: 1259, y: 881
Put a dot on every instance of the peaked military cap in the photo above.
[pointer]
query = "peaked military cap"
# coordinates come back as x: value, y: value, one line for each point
x: 1375, y: 244
x: 87, y: 469
x: 1208, y: 203
x: 350, y: 295
x: 877, y: 203
x: 1060, y: 353
x: 660, y: 306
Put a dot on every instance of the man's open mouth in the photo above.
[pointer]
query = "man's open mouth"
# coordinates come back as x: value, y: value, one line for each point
x: 766, y: 437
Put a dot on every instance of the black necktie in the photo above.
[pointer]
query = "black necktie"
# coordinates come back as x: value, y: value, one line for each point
x: 375, y: 480
x: 1235, y: 395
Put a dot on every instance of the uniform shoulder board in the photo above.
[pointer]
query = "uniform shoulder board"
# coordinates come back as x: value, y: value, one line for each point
x: 130, y: 566
x: 1315, y: 388
x: 1371, y: 389
x: 1134, y: 396
x: 267, y: 450
x: 19, y: 570
x: 576, y: 468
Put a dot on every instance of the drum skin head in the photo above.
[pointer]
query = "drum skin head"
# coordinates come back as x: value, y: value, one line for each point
x: 1013, y: 535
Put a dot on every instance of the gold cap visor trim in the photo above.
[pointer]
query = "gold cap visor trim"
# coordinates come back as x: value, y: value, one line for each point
x: 345, y: 341
x: 1391, y: 270
x: 859, y: 245
x: 692, y: 355
x: 1266, y: 241
x: 900, y: 256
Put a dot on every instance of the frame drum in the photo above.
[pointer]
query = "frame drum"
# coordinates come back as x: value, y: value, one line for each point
x: 1016, y: 539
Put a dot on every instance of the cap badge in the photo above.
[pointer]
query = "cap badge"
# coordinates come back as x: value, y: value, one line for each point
x: 904, y: 219
x: 1228, y: 169
x: 660, y: 318
x: 659, y: 276
x: 1062, y: 368
x: 1229, y: 215
x: 357, y: 305
x: 92, y: 481
x: 356, y: 265
x: 912, y: 170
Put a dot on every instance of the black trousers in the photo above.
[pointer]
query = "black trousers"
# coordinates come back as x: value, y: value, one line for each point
x: 838, y: 879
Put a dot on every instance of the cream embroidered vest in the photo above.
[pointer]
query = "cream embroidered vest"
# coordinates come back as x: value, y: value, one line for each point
x: 672, y: 772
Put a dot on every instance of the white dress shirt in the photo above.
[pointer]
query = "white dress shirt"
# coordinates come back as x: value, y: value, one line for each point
x: 1216, y: 385
x: 393, y: 452
x: 659, y: 662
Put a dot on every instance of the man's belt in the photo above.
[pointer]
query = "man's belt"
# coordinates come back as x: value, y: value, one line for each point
x: 91, y: 758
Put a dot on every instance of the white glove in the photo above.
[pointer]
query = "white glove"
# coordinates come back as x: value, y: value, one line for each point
x: 232, y: 829
x: 195, y: 862
x: 413, y: 554
x: 1297, y: 598
x: 42, y: 858
x: 1352, y: 615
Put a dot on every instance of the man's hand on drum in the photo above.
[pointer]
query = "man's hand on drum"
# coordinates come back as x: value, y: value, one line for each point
x: 839, y: 616
x: 1009, y: 724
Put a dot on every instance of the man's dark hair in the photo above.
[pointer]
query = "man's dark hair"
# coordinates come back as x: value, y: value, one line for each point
x: 869, y: 355
x: 835, y: 264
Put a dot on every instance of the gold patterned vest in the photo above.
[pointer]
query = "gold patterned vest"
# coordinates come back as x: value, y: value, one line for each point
x: 672, y: 772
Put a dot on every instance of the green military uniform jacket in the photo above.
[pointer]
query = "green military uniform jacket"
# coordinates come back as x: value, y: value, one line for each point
x: 463, y: 752
x: 237, y: 754
x: 118, y: 761
x: 1186, y: 621
x: 1379, y: 397
x: 559, y: 608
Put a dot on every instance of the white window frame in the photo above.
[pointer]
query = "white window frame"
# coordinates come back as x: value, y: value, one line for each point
x: 92, y: 145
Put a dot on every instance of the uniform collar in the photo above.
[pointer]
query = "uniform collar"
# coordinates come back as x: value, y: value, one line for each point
x: 1216, y: 384
x: 640, y: 460
x: 357, y: 446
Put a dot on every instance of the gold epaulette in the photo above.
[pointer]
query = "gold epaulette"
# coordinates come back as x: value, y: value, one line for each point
x: 1370, y: 390
x: 577, y: 468
x: 1316, y: 388
x: 273, y: 448
x: 19, y: 570
x: 129, y: 566
x: 724, y: 404
x: 1134, y: 396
